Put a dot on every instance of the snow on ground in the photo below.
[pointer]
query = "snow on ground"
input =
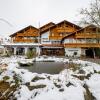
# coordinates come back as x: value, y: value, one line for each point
x: 69, y: 94
x: 94, y: 85
x: 63, y: 86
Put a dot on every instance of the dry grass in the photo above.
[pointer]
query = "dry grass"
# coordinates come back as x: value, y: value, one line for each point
x: 6, y: 92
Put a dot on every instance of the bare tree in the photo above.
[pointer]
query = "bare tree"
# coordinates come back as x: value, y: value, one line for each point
x: 91, y: 15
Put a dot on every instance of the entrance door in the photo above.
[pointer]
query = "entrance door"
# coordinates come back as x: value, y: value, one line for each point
x: 89, y: 53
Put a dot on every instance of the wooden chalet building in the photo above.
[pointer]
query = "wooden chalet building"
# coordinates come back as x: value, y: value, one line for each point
x: 52, y: 35
x: 63, y: 38
x: 24, y: 40
x: 82, y: 42
x: 26, y: 35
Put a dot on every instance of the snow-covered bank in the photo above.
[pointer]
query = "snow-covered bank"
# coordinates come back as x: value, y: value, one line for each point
x: 94, y: 85
x: 22, y: 59
x: 67, y: 85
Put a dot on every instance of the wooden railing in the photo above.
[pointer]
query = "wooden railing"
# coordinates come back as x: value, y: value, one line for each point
x: 58, y: 37
x: 53, y: 45
x: 74, y: 45
x: 88, y: 35
x: 24, y: 40
x: 65, y: 29
x: 27, y: 34
x: 82, y: 45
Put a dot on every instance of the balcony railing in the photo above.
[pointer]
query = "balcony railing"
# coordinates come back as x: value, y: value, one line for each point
x: 82, y: 45
x: 27, y: 34
x: 88, y: 35
x: 25, y: 40
x: 65, y: 29
x: 53, y: 45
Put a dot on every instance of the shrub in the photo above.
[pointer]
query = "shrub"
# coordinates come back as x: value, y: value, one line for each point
x: 8, y: 54
x: 30, y: 54
x: 73, y: 66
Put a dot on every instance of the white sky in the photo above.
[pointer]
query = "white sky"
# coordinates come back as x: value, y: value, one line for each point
x: 21, y: 13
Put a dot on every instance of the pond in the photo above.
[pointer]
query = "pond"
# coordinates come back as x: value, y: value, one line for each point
x: 46, y: 67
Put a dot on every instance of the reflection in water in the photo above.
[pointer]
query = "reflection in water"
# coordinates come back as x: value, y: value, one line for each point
x: 46, y: 67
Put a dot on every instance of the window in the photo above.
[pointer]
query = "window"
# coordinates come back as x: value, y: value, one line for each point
x: 55, y: 42
x: 45, y: 39
x: 70, y: 40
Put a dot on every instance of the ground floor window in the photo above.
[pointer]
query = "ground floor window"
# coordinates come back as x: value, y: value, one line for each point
x: 20, y: 51
x: 52, y: 51
x: 92, y: 52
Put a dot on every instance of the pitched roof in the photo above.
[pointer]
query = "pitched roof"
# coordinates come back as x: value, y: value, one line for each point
x: 89, y: 26
x: 70, y: 23
x: 48, y: 24
x: 53, y: 25
x: 46, y: 27
x: 22, y: 30
x: 66, y: 22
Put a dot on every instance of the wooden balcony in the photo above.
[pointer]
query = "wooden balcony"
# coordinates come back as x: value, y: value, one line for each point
x: 24, y: 41
x: 27, y: 34
x: 58, y: 37
x: 53, y: 45
x: 84, y: 45
x: 88, y: 35
x: 65, y: 30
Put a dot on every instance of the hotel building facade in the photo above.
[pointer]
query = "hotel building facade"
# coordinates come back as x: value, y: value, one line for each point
x: 61, y: 39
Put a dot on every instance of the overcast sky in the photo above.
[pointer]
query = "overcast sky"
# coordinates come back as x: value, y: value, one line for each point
x: 20, y: 13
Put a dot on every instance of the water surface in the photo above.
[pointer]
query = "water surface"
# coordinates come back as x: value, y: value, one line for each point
x: 46, y: 67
